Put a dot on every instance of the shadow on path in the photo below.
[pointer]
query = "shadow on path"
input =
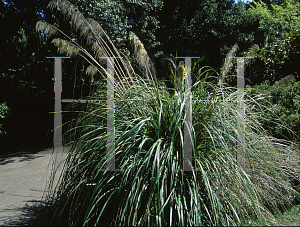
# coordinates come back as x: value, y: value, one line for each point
x: 24, y: 179
x: 14, y: 147
x: 37, y: 214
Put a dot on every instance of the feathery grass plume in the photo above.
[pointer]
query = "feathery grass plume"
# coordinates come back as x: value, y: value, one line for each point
x: 141, y: 54
x: 284, y: 81
x: 91, y: 70
x: 181, y: 75
x: 71, y: 50
x: 228, y: 63
x: 97, y: 50
x: 176, y: 74
x: 95, y: 37
x: 45, y: 28
x: 65, y: 47
x: 78, y: 21
x: 96, y: 28
x: 102, y: 46
x: 251, y: 53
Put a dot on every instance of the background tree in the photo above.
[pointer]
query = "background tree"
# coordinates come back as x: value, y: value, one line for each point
x: 277, y: 33
x: 26, y: 77
x: 169, y: 28
x: 204, y: 28
x: 166, y: 28
x: 118, y: 17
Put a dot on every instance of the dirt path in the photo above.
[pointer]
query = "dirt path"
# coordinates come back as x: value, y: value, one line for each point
x: 23, y: 180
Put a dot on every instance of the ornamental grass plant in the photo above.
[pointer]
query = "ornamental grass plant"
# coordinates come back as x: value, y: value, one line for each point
x: 151, y: 188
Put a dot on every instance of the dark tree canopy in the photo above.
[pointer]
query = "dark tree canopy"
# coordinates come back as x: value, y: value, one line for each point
x: 167, y: 28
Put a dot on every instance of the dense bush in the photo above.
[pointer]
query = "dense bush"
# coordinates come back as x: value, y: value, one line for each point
x: 284, y: 95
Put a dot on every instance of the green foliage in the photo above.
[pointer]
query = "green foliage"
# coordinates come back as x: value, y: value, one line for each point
x: 285, y: 98
x: 196, y: 28
x: 4, y: 112
x: 289, y: 218
x: 277, y: 34
x: 26, y: 74
x: 117, y: 17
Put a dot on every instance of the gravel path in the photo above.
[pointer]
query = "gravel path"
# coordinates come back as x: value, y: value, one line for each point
x: 23, y: 181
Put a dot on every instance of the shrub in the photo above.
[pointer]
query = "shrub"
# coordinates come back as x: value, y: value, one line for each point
x: 284, y: 96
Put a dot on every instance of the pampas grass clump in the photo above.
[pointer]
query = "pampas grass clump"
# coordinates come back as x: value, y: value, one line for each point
x: 149, y: 123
